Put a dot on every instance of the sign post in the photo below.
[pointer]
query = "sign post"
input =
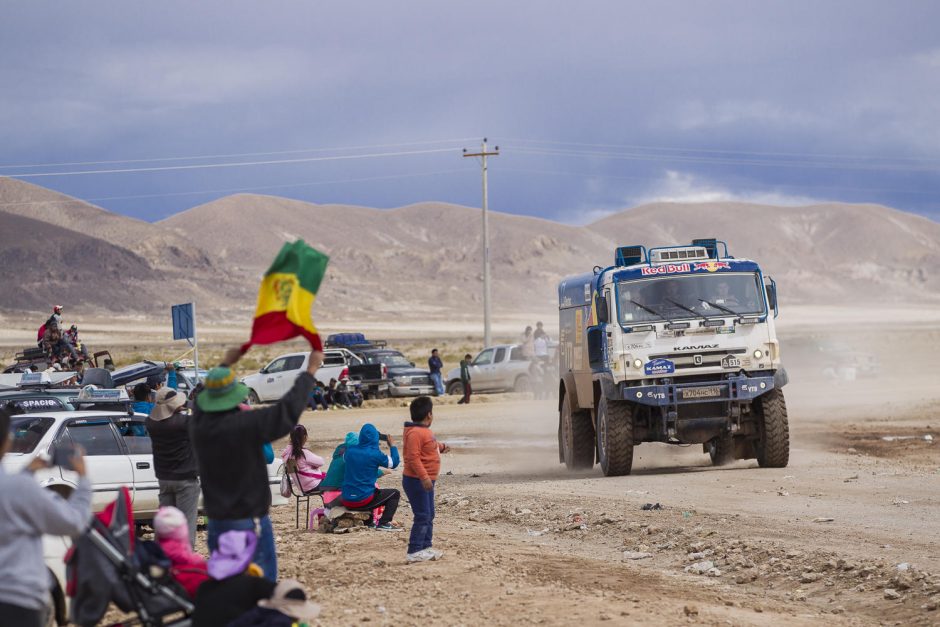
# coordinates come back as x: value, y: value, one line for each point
x: 184, y: 328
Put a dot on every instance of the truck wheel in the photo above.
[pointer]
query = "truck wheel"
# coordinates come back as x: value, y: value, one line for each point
x: 253, y: 398
x: 773, y: 448
x: 522, y: 385
x: 614, y: 437
x: 577, y: 438
x: 455, y: 388
x: 721, y: 449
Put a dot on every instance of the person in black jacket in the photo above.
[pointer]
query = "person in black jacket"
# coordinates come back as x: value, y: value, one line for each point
x: 174, y: 460
x: 228, y: 442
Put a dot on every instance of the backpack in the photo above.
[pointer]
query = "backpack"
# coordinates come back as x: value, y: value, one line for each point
x: 42, y: 332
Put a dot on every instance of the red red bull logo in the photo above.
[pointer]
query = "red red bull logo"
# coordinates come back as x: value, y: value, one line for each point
x: 713, y: 266
x: 669, y: 268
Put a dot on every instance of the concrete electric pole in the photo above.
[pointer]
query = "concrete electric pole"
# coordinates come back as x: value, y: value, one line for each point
x: 483, y: 154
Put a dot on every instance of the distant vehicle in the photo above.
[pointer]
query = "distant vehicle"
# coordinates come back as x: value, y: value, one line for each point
x: 372, y: 377
x: 500, y: 368
x: 404, y: 379
x: 675, y: 345
x: 34, y: 359
x: 274, y: 380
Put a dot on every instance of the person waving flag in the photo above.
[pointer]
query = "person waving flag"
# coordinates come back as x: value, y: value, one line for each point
x: 286, y: 297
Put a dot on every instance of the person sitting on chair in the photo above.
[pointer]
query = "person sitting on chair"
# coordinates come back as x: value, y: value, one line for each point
x: 303, y: 466
x: 363, y: 462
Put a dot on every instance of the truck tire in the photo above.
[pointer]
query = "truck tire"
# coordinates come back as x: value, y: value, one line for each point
x: 522, y: 385
x: 615, y: 437
x: 721, y: 449
x: 577, y: 437
x: 455, y: 388
x: 773, y: 448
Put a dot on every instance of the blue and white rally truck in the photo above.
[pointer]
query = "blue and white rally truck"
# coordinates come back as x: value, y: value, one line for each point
x: 673, y: 344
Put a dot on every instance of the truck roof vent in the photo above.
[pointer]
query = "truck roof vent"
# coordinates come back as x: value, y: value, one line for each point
x: 629, y: 255
x: 710, y: 244
x: 679, y: 254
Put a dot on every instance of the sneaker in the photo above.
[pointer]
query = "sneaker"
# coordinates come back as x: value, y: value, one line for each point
x: 420, y: 556
x: 387, y: 527
x: 435, y: 553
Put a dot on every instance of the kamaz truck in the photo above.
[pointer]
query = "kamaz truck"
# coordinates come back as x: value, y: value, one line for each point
x: 672, y: 344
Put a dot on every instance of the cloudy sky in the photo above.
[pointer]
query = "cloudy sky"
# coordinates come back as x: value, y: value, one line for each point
x: 596, y: 106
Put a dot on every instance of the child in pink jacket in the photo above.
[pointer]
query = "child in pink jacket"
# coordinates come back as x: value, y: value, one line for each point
x: 309, y: 465
x: 172, y: 532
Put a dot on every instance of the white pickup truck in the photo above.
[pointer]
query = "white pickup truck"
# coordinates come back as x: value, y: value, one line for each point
x: 274, y: 380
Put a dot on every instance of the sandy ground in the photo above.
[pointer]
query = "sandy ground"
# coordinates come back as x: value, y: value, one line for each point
x: 847, y: 534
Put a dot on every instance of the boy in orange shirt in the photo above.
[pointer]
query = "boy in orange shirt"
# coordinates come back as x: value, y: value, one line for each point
x: 422, y: 465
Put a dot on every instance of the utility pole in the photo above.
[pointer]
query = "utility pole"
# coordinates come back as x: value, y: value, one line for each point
x: 483, y: 154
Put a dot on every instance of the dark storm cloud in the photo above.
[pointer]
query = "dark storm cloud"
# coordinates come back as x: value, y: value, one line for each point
x: 855, y: 81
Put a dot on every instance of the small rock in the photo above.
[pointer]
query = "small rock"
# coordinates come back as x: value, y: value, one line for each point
x: 903, y: 566
x: 636, y: 555
x: 700, y: 568
x: 809, y: 577
x: 713, y: 572
x: 823, y: 519
x: 697, y: 557
x: 891, y: 594
x: 690, y: 610
x: 931, y: 605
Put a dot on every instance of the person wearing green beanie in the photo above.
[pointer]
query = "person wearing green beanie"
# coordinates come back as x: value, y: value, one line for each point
x: 229, y: 441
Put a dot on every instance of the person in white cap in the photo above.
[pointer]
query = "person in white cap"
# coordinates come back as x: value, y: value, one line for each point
x: 174, y: 459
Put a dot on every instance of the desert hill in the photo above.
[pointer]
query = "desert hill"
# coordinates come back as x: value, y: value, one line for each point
x: 422, y: 261
x: 827, y: 253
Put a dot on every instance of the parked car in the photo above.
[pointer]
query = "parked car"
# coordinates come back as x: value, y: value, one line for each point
x: 404, y: 379
x: 118, y: 453
x: 274, y: 380
x: 500, y: 368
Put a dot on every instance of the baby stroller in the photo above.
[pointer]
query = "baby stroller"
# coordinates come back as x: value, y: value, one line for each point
x: 108, y: 564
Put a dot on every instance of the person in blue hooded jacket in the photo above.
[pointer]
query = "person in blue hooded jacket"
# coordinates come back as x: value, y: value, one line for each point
x: 362, y: 464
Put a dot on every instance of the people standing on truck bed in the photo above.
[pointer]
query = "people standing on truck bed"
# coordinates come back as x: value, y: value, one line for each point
x: 528, y: 344
x: 540, y: 332
x: 465, y: 379
x: 435, y: 365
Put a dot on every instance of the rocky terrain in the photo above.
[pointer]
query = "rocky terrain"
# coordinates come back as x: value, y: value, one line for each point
x: 423, y: 261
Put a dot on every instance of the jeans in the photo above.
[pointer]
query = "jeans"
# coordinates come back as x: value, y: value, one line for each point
x: 438, y: 383
x: 422, y: 506
x: 265, y: 554
x: 182, y: 494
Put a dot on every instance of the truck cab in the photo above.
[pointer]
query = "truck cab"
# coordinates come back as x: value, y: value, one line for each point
x: 673, y: 344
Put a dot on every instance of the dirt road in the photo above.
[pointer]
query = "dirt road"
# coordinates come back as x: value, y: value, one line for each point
x: 527, y: 541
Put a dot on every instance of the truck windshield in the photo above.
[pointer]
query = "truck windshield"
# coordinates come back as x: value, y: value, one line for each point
x: 689, y: 296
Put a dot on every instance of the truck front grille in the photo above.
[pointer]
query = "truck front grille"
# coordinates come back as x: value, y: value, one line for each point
x: 708, y: 359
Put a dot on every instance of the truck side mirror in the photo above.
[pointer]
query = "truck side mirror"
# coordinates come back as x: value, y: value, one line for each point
x: 772, y: 296
x: 602, y: 310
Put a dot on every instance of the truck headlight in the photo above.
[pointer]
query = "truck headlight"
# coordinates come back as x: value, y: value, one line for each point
x: 637, y: 363
x: 402, y: 380
x: 758, y: 354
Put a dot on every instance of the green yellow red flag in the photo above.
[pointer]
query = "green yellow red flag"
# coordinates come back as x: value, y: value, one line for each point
x: 286, y: 296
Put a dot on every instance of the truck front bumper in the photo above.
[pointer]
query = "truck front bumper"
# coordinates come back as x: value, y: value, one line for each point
x: 735, y: 389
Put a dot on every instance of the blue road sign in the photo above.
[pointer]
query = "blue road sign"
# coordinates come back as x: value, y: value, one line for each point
x: 184, y: 322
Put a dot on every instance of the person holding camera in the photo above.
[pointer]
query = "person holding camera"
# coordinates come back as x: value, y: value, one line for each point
x: 363, y: 462
x: 27, y: 512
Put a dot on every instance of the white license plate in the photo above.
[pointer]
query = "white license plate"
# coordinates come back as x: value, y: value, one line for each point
x: 730, y: 362
x: 709, y: 392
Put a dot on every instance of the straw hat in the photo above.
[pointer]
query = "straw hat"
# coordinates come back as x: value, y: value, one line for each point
x: 168, y: 401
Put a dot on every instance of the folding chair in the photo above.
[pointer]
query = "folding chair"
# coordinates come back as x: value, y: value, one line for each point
x: 290, y: 471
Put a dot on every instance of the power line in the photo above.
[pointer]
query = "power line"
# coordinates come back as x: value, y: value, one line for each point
x: 238, y: 164
x: 721, y: 161
x: 726, y: 151
x: 236, y: 155
x: 758, y: 187
x: 233, y: 189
